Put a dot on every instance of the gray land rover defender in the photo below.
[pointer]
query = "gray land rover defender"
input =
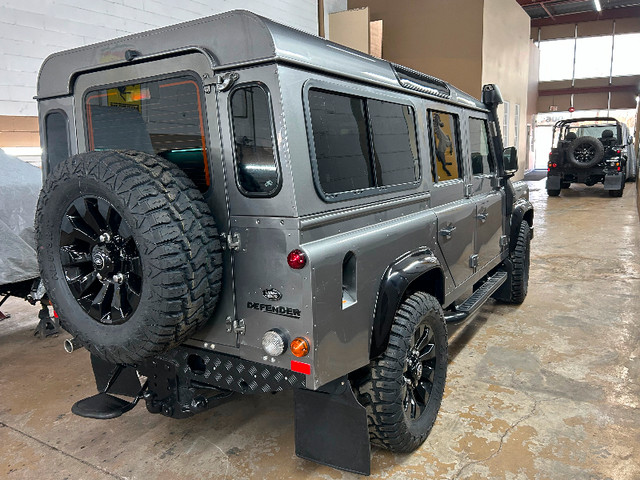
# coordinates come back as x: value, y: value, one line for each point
x: 591, y: 150
x: 234, y: 206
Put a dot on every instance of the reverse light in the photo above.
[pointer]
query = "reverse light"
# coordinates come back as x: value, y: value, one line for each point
x: 297, y: 259
x: 299, y: 346
x: 274, y: 343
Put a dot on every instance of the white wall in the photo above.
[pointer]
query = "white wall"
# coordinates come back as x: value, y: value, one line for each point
x: 30, y: 30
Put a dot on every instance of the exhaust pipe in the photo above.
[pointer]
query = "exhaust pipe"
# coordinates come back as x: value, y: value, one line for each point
x: 71, y: 345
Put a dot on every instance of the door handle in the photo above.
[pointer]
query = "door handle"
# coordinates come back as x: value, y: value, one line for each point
x: 446, y: 232
x: 482, y: 217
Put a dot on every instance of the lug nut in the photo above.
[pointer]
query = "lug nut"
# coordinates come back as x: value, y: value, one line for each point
x: 105, y: 237
x: 118, y: 278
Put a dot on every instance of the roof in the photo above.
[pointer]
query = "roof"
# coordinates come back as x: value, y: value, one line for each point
x: 234, y: 39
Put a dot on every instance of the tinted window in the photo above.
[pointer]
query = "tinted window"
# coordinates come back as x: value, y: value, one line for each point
x: 481, y: 160
x: 57, y: 138
x: 341, y: 142
x: 256, y: 166
x: 162, y: 117
x: 444, y: 137
x: 394, y: 143
x: 362, y: 143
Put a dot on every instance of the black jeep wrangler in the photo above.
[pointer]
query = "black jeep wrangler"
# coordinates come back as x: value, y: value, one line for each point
x: 590, y: 151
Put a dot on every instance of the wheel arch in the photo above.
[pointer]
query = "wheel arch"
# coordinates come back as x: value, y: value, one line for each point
x: 419, y: 270
x: 523, y: 210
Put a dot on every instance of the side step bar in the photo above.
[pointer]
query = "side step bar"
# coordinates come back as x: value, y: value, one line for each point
x: 477, y: 299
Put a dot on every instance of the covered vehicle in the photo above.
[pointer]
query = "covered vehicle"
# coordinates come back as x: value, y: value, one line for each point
x: 20, y: 184
x: 591, y: 150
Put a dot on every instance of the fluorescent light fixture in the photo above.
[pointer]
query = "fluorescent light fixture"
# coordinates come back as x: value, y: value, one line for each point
x: 598, y: 7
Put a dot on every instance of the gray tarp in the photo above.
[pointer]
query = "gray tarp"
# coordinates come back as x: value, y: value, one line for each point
x: 20, y: 185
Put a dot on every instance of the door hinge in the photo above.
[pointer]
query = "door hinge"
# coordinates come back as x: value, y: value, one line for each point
x: 236, y: 326
x: 231, y: 240
x: 504, y: 241
x: 473, y: 261
x: 221, y: 82
x: 468, y: 190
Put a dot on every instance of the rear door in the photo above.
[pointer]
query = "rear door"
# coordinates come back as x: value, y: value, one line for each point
x: 161, y: 108
x: 456, y: 212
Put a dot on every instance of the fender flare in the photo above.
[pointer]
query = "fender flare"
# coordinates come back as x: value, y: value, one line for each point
x: 522, y: 210
x: 395, y: 282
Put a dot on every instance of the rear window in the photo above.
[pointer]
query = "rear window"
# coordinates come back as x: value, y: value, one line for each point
x: 57, y: 138
x: 257, y: 169
x: 162, y: 117
x: 361, y: 144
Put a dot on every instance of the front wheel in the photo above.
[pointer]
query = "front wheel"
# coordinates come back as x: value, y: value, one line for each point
x: 402, y: 389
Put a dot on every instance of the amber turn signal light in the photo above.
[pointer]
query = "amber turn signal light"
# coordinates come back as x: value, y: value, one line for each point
x: 299, y: 347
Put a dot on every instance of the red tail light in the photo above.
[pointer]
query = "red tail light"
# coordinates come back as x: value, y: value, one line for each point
x: 297, y: 259
x: 618, y: 152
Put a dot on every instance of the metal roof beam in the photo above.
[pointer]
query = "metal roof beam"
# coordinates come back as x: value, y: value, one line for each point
x: 609, y: 14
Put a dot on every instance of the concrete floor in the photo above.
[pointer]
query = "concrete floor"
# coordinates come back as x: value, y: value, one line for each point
x: 548, y: 390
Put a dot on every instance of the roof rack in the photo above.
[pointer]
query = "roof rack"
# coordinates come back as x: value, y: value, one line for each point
x: 414, y: 80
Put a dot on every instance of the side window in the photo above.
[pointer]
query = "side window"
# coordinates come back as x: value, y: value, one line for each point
x: 341, y: 142
x: 444, y: 138
x: 57, y: 138
x: 161, y: 117
x: 257, y: 168
x: 481, y: 161
x: 394, y: 143
x: 361, y: 143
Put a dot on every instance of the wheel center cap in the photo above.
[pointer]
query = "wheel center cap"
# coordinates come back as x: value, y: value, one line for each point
x: 102, y: 262
x: 418, y: 371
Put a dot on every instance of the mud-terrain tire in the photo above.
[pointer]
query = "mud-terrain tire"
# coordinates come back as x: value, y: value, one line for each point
x: 553, y: 193
x: 384, y: 389
x: 585, y: 152
x: 514, y: 289
x: 139, y: 222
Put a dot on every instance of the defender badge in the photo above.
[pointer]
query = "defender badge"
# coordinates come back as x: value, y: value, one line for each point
x: 271, y: 294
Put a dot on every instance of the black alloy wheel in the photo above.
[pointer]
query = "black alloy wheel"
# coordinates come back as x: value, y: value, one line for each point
x: 402, y: 389
x: 100, y: 260
x: 584, y: 153
x: 420, y: 372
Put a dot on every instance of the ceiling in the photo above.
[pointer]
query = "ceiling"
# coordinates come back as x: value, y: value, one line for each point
x: 554, y: 10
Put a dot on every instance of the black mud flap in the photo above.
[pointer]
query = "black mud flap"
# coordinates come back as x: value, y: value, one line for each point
x: 331, y: 429
x: 124, y: 382
x: 614, y: 181
x: 554, y: 182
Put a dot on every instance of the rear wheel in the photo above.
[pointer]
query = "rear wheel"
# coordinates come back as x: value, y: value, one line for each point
x: 403, y: 388
x: 553, y: 193
x: 128, y: 253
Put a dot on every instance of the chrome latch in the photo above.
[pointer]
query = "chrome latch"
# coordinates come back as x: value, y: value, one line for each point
x: 504, y: 241
x: 473, y: 261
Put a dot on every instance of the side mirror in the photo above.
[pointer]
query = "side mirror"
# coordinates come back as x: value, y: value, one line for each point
x: 510, y: 158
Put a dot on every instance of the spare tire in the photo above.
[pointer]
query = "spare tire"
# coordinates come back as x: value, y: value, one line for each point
x: 128, y: 252
x: 585, y: 152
